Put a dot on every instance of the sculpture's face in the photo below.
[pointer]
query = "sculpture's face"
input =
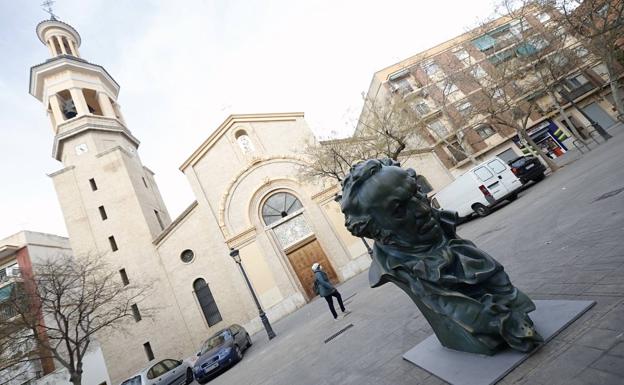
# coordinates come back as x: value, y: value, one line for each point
x: 389, y: 197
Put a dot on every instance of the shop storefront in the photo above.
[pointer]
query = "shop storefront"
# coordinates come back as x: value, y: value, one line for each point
x: 548, y: 136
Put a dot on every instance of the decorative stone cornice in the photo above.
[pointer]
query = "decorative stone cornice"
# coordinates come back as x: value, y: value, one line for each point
x: 251, y: 166
x: 113, y: 149
x: 326, y: 195
x: 88, y: 123
x: 45, y: 24
x: 148, y: 170
x: 242, y: 238
x: 174, y: 224
x: 62, y: 63
x: 61, y: 171
x: 229, y: 122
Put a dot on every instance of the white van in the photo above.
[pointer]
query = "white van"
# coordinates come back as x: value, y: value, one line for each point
x: 479, y: 189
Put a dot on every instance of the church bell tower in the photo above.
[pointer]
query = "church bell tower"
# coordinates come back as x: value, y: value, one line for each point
x: 110, y: 201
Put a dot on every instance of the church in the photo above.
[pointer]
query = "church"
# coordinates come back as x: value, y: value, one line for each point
x: 248, y: 197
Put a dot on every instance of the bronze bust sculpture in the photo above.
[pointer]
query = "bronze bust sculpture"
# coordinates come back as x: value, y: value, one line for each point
x: 464, y: 293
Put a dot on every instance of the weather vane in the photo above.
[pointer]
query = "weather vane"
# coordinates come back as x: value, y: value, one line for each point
x: 47, y: 6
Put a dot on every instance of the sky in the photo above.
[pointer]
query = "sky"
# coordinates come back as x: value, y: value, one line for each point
x: 185, y: 65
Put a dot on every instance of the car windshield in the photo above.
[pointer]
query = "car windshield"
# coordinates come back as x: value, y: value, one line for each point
x: 213, y: 342
x: 133, y: 381
x: 518, y: 162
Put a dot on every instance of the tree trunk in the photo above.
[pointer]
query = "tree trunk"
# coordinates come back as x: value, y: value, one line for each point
x: 76, y: 378
x: 551, y: 164
x: 615, y: 91
x: 571, y: 127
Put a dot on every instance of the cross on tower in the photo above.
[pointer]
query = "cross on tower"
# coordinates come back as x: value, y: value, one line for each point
x: 47, y: 6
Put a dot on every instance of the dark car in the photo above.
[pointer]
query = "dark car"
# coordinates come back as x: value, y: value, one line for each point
x: 527, y: 168
x: 219, y: 352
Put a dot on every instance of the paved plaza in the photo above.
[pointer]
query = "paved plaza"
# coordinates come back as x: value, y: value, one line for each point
x: 562, y: 239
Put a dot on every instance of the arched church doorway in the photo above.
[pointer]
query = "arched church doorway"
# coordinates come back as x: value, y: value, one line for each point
x: 284, y: 215
x: 301, y: 259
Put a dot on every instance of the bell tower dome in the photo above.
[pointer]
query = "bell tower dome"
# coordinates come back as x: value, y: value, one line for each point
x: 61, y: 38
x: 78, y: 95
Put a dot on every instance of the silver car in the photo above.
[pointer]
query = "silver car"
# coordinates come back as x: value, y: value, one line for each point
x: 165, y: 372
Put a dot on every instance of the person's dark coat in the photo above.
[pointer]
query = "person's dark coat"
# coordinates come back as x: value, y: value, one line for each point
x: 325, y: 288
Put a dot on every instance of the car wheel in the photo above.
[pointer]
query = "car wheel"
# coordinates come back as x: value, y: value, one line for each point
x: 480, y: 209
x: 512, y: 197
x: 249, y: 343
x: 238, y: 352
x: 539, y: 178
x: 189, y: 376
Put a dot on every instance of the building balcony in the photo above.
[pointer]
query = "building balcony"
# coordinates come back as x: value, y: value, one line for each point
x: 580, y: 91
x: 8, y: 275
x: 89, y: 120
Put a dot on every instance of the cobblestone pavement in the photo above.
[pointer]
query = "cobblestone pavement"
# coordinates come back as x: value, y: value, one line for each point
x: 562, y: 239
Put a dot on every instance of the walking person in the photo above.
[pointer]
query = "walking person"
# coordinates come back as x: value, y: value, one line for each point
x: 325, y: 289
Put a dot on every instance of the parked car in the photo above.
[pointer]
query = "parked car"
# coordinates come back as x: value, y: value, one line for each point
x: 221, y: 351
x: 528, y: 168
x: 165, y: 372
x: 479, y: 189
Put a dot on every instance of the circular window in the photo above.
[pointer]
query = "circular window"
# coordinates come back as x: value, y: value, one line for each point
x: 278, y: 206
x: 187, y: 256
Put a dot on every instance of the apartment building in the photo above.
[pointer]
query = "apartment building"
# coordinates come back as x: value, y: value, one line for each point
x: 444, y: 85
x: 20, y: 254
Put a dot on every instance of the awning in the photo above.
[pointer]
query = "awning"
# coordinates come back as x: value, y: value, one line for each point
x: 484, y: 42
x: 526, y: 49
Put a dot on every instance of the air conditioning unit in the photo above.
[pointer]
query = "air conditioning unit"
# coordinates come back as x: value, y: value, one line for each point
x: 13, y: 272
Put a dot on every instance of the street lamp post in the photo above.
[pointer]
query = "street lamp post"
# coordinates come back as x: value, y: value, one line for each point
x: 368, y: 248
x: 265, y: 321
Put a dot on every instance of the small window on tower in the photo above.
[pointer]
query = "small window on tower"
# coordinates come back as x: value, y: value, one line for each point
x: 93, y: 184
x: 148, y: 351
x: 124, y: 277
x: 103, y: 213
x: 135, y: 313
x: 144, y: 182
x: 159, y: 219
x: 113, y: 243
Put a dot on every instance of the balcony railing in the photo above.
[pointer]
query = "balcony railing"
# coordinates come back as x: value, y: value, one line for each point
x: 10, y: 276
x: 585, y: 88
x: 7, y: 312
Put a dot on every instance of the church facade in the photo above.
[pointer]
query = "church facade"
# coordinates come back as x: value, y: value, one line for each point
x: 248, y: 197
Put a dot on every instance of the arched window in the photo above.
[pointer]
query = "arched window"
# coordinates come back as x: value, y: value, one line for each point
x: 244, y: 141
x: 207, y: 302
x: 278, y: 206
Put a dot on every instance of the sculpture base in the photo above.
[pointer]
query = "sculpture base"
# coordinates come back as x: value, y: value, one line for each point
x: 459, y: 368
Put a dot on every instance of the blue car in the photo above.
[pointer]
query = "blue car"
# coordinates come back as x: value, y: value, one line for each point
x: 219, y: 352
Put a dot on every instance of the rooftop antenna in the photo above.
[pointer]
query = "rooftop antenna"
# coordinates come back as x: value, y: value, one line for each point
x: 47, y: 7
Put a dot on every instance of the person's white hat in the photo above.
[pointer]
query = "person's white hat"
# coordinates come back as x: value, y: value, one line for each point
x: 315, y: 266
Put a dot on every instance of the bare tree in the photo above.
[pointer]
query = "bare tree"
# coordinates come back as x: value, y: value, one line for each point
x: 600, y: 25
x: 55, y: 313
x: 387, y: 128
x: 333, y: 158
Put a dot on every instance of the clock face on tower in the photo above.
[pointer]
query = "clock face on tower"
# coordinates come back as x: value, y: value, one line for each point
x: 81, y: 149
